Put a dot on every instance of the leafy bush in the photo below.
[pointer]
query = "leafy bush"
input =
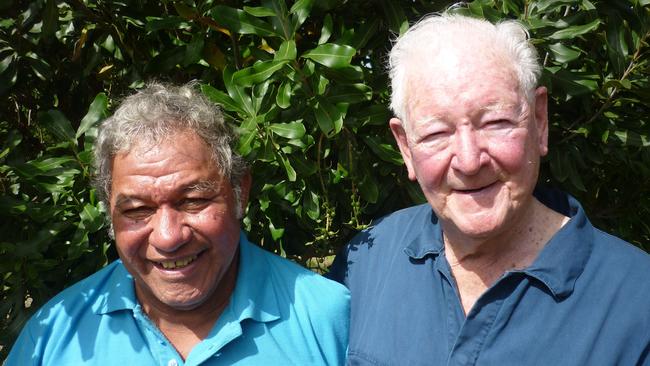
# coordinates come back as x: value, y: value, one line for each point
x: 305, y: 83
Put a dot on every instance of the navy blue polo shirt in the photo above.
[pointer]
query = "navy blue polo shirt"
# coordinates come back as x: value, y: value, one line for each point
x: 584, y: 301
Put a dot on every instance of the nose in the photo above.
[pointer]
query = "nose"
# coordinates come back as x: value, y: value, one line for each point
x: 170, y: 232
x: 468, y: 154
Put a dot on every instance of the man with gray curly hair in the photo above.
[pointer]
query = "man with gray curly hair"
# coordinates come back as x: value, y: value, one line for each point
x: 492, y: 270
x: 189, y: 289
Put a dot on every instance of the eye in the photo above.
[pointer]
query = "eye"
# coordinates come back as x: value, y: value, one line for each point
x: 138, y: 213
x: 436, y: 136
x: 195, y: 203
x: 497, y: 124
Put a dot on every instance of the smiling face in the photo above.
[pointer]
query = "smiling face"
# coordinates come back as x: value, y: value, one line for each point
x: 175, y: 222
x: 473, y: 142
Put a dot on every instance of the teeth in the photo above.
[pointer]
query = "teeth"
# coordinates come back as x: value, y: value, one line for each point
x: 177, y: 264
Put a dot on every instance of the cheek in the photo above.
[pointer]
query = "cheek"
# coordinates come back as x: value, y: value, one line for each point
x: 130, y: 237
x: 430, y: 169
x: 512, y: 151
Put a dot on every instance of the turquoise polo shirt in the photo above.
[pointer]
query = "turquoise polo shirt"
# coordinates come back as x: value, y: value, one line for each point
x: 585, y: 300
x: 279, y: 314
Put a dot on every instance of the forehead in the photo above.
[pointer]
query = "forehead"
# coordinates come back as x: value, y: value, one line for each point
x: 459, y: 83
x: 178, y: 160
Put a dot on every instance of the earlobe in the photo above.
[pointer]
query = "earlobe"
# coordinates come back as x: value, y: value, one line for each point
x: 399, y: 132
x: 541, y: 119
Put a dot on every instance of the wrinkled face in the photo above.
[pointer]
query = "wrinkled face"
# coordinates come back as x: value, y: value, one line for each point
x: 473, y: 142
x: 175, y: 220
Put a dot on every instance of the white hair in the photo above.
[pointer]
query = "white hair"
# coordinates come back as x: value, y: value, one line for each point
x: 433, y: 34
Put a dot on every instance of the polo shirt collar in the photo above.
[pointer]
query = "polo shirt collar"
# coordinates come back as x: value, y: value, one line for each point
x: 117, y: 292
x: 253, y: 296
x: 558, y: 265
x: 428, y: 241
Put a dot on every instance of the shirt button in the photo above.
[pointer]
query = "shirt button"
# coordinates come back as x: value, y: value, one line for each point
x: 172, y: 362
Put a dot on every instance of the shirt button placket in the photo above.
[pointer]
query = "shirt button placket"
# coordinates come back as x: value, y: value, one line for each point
x: 172, y: 362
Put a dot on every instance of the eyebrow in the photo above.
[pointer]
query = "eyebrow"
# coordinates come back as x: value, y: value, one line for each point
x: 201, y: 186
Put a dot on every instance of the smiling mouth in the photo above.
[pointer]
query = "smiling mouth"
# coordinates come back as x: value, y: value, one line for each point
x: 475, y: 190
x: 178, y: 263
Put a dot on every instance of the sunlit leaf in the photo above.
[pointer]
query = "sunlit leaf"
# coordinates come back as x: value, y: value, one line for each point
x: 291, y: 130
x: 257, y: 73
x: 259, y: 11
x: 287, y: 51
x: 97, y: 111
x: 283, y: 97
x: 238, y: 21
x: 564, y: 54
x: 331, y: 55
x: 576, y: 30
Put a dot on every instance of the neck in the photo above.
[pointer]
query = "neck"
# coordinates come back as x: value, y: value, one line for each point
x: 185, y: 328
x: 476, y: 263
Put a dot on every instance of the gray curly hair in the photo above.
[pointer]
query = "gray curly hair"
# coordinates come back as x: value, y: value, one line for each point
x: 156, y: 112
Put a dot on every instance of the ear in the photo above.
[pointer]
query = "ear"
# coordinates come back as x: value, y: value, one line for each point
x: 541, y: 119
x: 399, y: 132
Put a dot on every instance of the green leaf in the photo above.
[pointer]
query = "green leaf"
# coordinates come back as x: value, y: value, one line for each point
x: 631, y: 138
x: 564, y: 54
x: 238, y: 21
x: 56, y: 123
x: 617, y: 49
x: 97, y: 111
x: 166, y: 60
x: 8, y: 78
x: 326, y: 31
x: 291, y: 173
x: 350, y: 93
x: 194, y: 50
x: 368, y: 188
x: 4, y: 64
x: 155, y: 24
x: 220, y: 98
x: 310, y: 204
x: 397, y: 21
x: 287, y: 51
x: 364, y: 33
x: 283, y: 98
x: 245, y: 145
x: 259, y: 11
x: 300, y: 11
x: 50, y: 21
x: 331, y: 55
x: 291, y: 130
x: 385, y: 151
x: 41, y: 69
x: 560, y: 165
x: 328, y: 117
x: 546, y: 6
x: 91, y: 218
x: 237, y: 93
x: 257, y: 73
x: 576, y: 30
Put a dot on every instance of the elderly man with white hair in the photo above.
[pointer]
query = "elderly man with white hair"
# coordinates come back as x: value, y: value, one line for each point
x: 492, y: 270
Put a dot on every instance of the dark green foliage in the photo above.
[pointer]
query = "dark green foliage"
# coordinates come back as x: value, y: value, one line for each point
x: 305, y: 83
